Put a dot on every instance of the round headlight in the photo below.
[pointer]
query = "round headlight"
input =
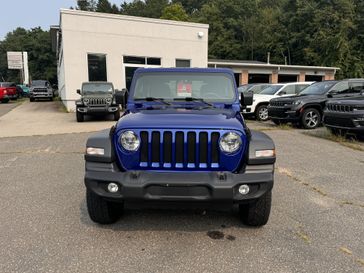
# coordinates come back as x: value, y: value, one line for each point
x: 129, y: 141
x: 86, y: 101
x: 108, y: 100
x: 230, y: 142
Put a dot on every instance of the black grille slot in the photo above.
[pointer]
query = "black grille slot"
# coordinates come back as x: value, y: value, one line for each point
x: 191, y: 144
x: 179, y: 147
x: 167, y: 147
x: 214, y: 147
x: 203, y: 147
x: 144, y: 147
x: 155, y: 147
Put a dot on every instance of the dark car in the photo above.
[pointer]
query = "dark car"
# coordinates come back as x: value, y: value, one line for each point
x: 307, y: 108
x: 343, y: 116
x: 181, y: 139
x: 8, y: 91
x: 97, y: 98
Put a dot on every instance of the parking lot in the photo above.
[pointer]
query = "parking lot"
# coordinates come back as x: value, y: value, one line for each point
x: 316, y: 223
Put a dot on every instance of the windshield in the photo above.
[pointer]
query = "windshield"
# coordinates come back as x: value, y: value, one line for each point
x: 175, y: 86
x: 96, y: 88
x: 256, y: 89
x: 244, y: 88
x: 271, y: 90
x: 318, y: 88
x: 39, y: 83
x: 6, y: 84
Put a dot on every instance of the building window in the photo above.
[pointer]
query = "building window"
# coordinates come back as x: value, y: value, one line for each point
x: 142, y: 60
x: 96, y: 67
x: 183, y: 63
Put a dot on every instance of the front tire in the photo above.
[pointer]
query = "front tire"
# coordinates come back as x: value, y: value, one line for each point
x: 5, y: 101
x: 80, y: 117
x: 31, y: 99
x: 256, y: 214
x: 102, y: 211
x: 261, y: 113
x: 311, y: 118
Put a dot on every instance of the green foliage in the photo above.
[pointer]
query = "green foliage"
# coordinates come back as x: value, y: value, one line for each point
x: 174, y: 12
x: 42, y: 61
x: 147, y: 8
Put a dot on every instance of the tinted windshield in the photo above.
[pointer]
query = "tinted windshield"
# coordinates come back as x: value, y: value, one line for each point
x: 244, y: 88
x: 256, y: 89
x: 96, y: 88
x: 317, y: 88
x: 39, y: 83
x: 271, y: 90
x: 172, y: 85
x: 6, y: 84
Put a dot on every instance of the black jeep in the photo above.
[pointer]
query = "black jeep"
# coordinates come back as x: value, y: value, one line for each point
x: 307, y: 108
x: 97, y: 98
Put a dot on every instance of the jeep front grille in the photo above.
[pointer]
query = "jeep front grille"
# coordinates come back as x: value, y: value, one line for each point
x: 339, y: 108
x: 180, y: 149
x: 40, y: 90
x: 97, y: 102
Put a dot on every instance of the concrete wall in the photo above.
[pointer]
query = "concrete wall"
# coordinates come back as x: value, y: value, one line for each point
x: 117, y: 36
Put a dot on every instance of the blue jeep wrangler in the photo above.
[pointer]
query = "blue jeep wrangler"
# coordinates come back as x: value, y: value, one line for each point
x: 181, y: 139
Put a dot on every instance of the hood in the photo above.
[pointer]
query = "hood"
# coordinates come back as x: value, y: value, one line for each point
x: 108, y: 95
x: 263, y: 97
x: 303, y: 98
x: 182, y: 118
x: 355, y: 101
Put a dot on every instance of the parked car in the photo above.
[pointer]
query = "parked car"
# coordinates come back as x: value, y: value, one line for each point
x: 244, y: 87
x: 261, y: 100
x: 343, y: 116
x: 257, y: 88
x: 40, y: 89
x: 23, y: 90
x: 97, y: 98
x: 10, y: 89
x: 181, y: 139
x: 307, y: 108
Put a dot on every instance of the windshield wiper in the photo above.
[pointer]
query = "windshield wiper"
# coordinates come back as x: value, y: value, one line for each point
x: 154, y: 99
x: 194, y: 99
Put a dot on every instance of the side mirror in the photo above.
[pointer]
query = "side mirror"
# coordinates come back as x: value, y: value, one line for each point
x: 79, y: 91
x: 246, y: 98
x: 282, y: 93
x: 121, y: 97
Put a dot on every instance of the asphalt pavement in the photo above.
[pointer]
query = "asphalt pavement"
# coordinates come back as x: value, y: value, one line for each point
x: 7, y: 107
x: 316, y: 223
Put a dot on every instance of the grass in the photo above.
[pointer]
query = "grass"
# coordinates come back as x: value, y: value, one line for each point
x: 342, y: 140
x: 61, y: 106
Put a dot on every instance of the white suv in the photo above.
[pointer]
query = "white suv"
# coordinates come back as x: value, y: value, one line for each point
x: 261, y: 100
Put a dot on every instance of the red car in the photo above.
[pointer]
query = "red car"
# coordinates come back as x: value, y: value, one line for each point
x: 8, y: 91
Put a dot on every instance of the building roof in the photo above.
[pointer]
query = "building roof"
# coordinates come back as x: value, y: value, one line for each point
x: 132, y: 18
x: 257, y: 64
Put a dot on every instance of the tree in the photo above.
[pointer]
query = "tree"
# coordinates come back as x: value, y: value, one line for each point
x: 87, y: 5
x: 104, y: 6
x: 175, y: 12
x: 147, y: 8
x: 42, y: 61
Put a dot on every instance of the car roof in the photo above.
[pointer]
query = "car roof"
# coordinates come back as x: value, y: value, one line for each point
x: 185, y: 70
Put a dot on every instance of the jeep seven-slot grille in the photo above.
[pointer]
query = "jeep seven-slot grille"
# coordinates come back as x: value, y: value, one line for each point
x: 97, y: 101
x: 339, y: 108
x: 40, y: 90
x: 179, y: 149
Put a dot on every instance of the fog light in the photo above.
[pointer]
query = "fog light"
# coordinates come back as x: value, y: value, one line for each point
x: 112, y: 187
x: 244, y: 189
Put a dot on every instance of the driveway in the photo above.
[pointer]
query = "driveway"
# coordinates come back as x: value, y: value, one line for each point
x: 45, y: 118
x: 7, y: 107
x: 316, y: 222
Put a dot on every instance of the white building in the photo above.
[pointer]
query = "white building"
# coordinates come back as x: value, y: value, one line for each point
x: 106, y: 47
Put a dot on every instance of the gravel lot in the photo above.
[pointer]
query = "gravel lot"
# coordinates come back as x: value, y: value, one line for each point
x: 316, y: 223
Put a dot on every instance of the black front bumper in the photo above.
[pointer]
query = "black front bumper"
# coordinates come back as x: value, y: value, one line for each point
x: 352, y: 122
x: 283, y: 113
x: 178, y: 186
x: 91, y: 110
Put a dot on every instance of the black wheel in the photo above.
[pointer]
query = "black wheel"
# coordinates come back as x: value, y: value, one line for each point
x: 261, y: 113
x: 311, y: 118
x: 257, y: 213
x: 117, y: 115
x: 80, y: 117
x: 276, y: 121
x: 102, y: 211
x: 5, y: 101
x: 51, y: 98
x: 31, y: 99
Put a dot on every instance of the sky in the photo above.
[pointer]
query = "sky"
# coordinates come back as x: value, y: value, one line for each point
x: 33, y: 13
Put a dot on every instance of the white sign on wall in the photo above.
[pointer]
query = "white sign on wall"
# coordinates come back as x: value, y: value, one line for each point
x: 15, y: 60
